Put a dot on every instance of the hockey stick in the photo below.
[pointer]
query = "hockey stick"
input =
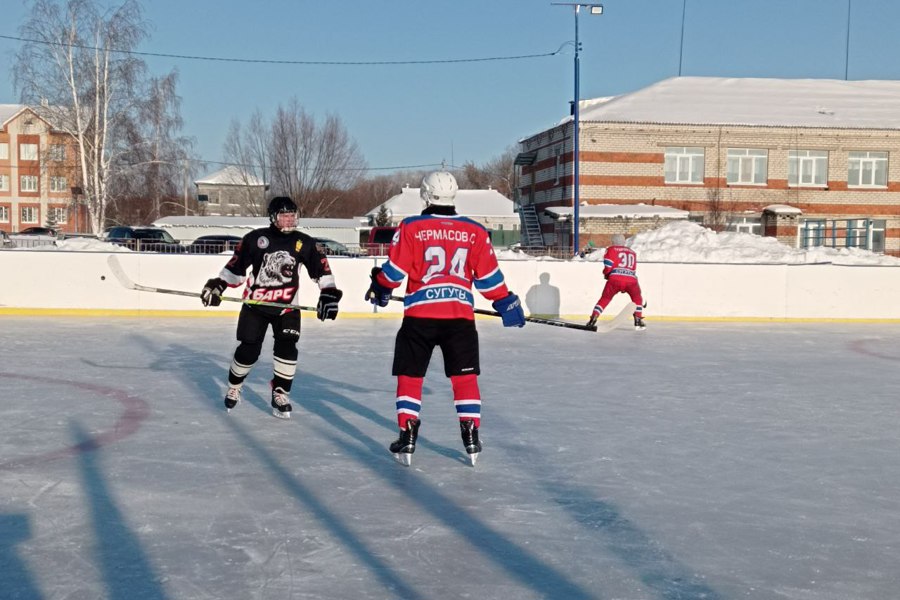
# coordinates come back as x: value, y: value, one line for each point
x: 126, y: 281
x: 552, y: 322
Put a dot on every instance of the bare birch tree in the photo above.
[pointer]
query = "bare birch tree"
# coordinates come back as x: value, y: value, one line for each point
x: 77, y: 64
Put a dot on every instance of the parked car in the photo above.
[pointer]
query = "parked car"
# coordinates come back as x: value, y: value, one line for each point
x: 143, y: 239
x: 5, y: 242
x: 39, y: 231
x: 333, y: 248
x: 34, y: 237
x: 380, y: 239
x: 214, y: 244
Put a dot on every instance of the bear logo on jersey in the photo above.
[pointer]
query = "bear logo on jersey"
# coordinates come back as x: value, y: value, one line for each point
x: 277, y: 269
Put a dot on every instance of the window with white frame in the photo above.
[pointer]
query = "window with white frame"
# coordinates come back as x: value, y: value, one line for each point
x: 28, y: 183
x: 4, y: 214
x: 4, y: 183
x: 57, y: 152
x: 684, y: 164
x: 747, y: 166
x: 808, y: 168
x: 28, y: 151
x: 58, y: 215
x: 867, y: 169
x: 745, y: 225
x: 58, y: 184
x: 4, y: 150
x: 28, y: 215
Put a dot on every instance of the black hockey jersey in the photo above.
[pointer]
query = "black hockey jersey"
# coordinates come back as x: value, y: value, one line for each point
x: 274, y: 259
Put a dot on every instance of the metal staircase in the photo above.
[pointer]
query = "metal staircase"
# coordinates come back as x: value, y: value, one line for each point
x: 531, y: 227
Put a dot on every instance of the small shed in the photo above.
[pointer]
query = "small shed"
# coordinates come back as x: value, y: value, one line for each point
x: 599, y: 222
x: 488, y: 207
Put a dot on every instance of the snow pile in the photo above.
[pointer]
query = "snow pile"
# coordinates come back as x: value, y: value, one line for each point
x: 684, y: 241
x: 688, y: 242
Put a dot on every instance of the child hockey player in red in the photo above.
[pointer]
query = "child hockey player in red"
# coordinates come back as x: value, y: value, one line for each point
x: 619, y: 270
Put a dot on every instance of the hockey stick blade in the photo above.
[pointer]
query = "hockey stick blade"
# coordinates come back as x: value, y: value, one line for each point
x: 116, y: 267
x: 619, y: 319
x: 539, y: 320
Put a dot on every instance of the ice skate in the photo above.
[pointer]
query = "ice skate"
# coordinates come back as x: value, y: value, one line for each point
x: 232, y: 397
x: 470, y: 439
x: 405, y: 445
x: 592, y: 322
x: 281, y: 404
x: 639, y: 324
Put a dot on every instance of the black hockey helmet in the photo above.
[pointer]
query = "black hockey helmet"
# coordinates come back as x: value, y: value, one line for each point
x: 282, y: 205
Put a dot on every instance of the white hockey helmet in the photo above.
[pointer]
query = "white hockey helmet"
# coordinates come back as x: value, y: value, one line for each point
x: 439, y: 187
x: 618, y: 239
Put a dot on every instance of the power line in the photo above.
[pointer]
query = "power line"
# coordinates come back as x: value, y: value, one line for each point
x: 331, y: 63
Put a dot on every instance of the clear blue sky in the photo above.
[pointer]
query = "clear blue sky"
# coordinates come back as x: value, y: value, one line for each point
x: 416, y: 114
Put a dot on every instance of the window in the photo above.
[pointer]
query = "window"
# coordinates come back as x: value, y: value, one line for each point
x: 867, y: 234
x: 745, y: 225
x: 60, y: 216
x: 29, y: 215
x: 4, y: 183
x: 58, y: 184
x: 4, y: 214
x: 747, y: 166
x: 808, y: 167
x: 28, y: 151
x: 812, y: 233
x: 28, y: 183
x: 684, y: 165
x: 4, y: 150
x: 58, y: 152
x: 867, y: 169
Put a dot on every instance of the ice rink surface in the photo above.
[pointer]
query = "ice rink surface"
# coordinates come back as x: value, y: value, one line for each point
x: 690, y: 461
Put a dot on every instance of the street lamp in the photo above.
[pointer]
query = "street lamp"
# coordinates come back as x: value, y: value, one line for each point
x: 594, y: 9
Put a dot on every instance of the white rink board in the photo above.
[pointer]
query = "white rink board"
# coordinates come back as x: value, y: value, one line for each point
x: 82, y: 280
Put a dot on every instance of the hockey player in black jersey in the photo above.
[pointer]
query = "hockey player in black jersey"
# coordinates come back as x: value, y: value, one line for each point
x: 274, y: 255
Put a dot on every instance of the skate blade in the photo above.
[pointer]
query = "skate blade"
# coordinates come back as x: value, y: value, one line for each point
x: 404, y: 458
x: 473, y: 458
x: 280, y: 415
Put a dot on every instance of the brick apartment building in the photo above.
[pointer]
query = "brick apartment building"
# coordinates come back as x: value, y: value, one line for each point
x: 36, y: 173
x: 812, y: 162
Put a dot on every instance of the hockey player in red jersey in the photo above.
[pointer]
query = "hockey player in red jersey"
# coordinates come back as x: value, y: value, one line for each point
x: 441, y: 255
x: 619, y: 270
x: 274, y: 255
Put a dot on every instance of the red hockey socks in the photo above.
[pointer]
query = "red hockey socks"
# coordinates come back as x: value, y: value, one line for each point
x: 466, y: 397
x: 409, y: 399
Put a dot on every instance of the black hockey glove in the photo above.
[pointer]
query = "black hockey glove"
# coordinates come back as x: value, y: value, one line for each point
x: 327, y: 308
x: 510, y: 309
x: 377, y: 293
x: 212, y: 292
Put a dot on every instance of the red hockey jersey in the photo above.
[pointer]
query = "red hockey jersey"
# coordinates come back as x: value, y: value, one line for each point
x: 442, y: 257
x: 619, y: 262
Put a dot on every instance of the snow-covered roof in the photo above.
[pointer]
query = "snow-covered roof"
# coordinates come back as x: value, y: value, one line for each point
x: 635, y: 211
x: 253, y: 222
x: 783, y: 209
x: 230, y: 175
x: 471, y: 203
x: 828, y: 103
x: 8, y: 111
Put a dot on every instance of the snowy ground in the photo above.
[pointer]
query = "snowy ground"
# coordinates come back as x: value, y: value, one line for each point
x: 689, y: 461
